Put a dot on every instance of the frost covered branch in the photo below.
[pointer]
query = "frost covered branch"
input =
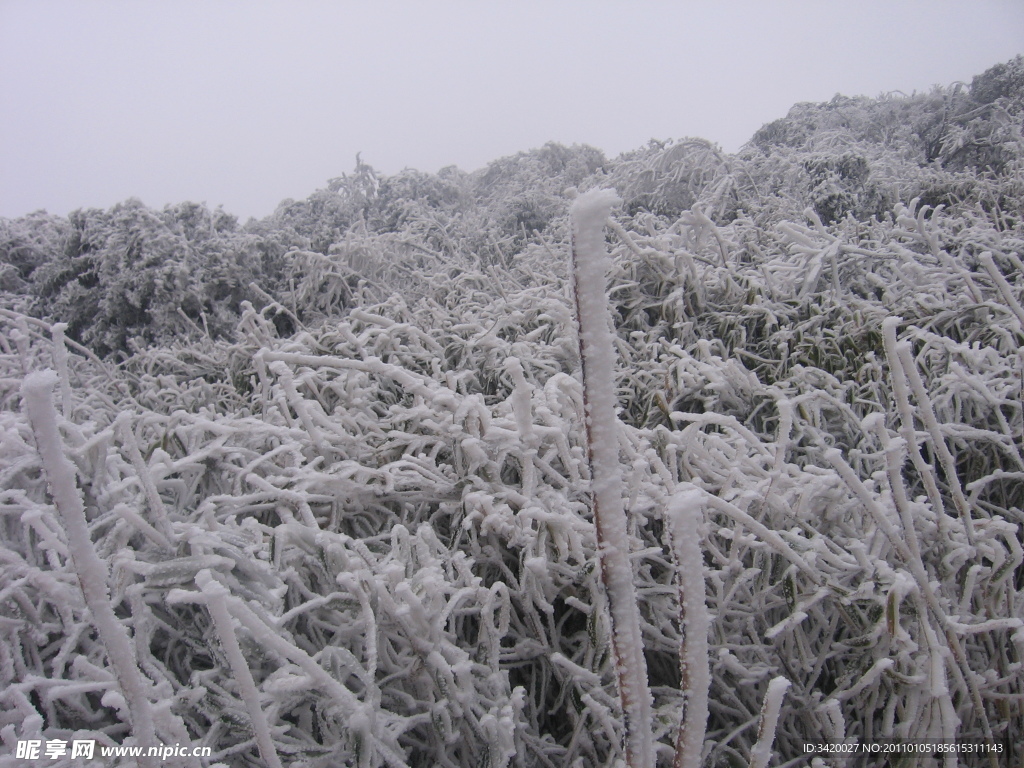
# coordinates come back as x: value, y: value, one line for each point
x: 37, y: 393
x: 590, y: 268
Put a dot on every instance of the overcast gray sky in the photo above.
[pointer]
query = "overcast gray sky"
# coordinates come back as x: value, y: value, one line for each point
x: 245, y: 103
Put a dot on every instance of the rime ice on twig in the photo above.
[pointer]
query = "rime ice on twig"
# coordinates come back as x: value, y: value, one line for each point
x: 216, y: 602
x: 684, y: 514
x: 762, y: 750
x: 37, y: 393
x: 590, y: 267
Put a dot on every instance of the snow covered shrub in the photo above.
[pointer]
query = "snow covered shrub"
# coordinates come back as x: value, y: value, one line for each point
x: 27, y: 243
x: 132, y: 272
x: 839, y: 186
x: 1002, y: 83
x: 952, y: 146
x: 412, y: 197
x: 521, y: 196
x: 667, y: 178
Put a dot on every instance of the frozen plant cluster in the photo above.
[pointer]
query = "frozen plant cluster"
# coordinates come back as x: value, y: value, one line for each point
x: 360, y: 531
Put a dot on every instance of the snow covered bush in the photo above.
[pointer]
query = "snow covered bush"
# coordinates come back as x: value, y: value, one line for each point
x: 132, y: 275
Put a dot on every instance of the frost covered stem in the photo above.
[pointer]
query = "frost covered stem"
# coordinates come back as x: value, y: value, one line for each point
x: 762, y: 751
x: 590, y: 265
x: 216, y: 603
x: 37, y: 395
x: 683, y: 516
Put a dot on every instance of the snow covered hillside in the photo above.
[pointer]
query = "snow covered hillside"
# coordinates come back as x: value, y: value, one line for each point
x: 315, y: 490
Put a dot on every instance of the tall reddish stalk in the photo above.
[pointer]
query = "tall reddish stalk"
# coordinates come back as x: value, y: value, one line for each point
x: 589, y: 274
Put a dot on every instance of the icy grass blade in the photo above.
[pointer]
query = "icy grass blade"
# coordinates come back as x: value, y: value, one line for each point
x: 37, y: 394
x: 60, y: 359
x: 216, y: 603
x: 684, y: 515
x: 762, y: 751
x: 156, y: 505
x: 590, y: 265
x: 1004, y: 288
x: 905, y: 378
